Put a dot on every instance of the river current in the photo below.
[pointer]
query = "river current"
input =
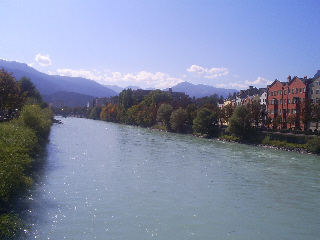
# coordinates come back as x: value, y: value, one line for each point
x: 102, y: 180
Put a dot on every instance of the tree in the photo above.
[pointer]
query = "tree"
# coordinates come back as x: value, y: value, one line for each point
x: 255, y: 110
x: 9, y: 90
x: 158, y: 96
x: 277, y: 121
x: 178, y: 119
x: 315, y: 113
x: 291, y: 119
x: 306, y: 113
x: 164, y: 113
x: 28, y: 89
x: 95, y: 113
x: 228, y: 111
x: 109, y: 113
x: 239, y: 122
x: 126, y: 98
x: 205, y: 121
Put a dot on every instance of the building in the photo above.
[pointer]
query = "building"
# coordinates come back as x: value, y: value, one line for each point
x: 286, y: 99
x: 99, y: 102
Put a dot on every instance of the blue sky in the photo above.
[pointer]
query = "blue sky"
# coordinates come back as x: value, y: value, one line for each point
x: 222, y: 43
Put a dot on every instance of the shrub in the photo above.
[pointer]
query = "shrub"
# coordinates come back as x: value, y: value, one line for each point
x: 313, y: 145
x: 39, y: 120
x: 10, y: 226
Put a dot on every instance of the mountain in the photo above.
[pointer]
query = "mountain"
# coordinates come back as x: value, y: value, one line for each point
x: 49, y: 84
x: 201, y: 90
x: 71, y: 99
x: 115, y: 88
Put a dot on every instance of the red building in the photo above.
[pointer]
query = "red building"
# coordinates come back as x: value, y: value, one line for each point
x: 285, y: 99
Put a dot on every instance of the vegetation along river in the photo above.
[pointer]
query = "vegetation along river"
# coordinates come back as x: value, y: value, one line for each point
x: 103, y: 180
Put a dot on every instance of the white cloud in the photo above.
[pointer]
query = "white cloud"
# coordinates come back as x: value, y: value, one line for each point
x: 197, y: 69
x: 79, y: 73
x: 209, y: 73
x: 31, y: 64
x: 259, y: 81
x: 43, y: 60
x: 158, y: 80
x: 233, y: 85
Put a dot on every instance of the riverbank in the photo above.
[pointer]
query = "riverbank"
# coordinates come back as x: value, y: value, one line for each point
x: 20, y: 142
x: 265, y: 140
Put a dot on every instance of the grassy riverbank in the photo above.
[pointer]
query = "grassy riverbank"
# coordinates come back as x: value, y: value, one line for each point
x: 20, y: 142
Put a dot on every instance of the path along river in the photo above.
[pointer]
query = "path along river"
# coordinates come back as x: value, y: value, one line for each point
x: 102, y: 180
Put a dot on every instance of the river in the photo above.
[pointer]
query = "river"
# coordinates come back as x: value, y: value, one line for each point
x: 102, y: 180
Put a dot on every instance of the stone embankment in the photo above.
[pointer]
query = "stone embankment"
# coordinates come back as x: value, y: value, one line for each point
x: 288, y: 149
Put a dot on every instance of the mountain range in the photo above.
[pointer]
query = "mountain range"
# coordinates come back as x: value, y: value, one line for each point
x: 76, y: 91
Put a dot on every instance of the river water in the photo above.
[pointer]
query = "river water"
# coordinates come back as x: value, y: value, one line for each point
x: 103, y: 180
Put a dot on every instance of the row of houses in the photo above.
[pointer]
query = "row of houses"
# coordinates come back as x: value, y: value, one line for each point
x: 284, y: 100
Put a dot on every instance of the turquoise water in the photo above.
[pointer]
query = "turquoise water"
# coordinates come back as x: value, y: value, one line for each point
x: 102, y: 180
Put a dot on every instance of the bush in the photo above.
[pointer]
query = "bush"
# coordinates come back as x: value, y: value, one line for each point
x: 313, y: 145
x: 10, y: 226
x: 39, y: 120
x: 19, y: 141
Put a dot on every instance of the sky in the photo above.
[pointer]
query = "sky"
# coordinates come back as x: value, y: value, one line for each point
x: 229, y: 44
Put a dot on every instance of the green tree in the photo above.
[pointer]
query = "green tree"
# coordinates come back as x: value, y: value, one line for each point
x: 28, y: 89
x: 158, y: 96
x: 164, y: 113
x: 95, y: 113
x: 205, y: 121
x: 191, y: 113
x: 255, y: 111
x: 228, y: 111
x: 277, y: 121
x: 126, y: 98
x: 9, y: 91
x: 239, y: 122
x: 315, y: 114
x: 178, y: 119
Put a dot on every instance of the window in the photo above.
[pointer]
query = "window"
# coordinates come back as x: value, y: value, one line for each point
x: 288, y: 101
x: 285, y: 92
x: 317, y: 83
x: 280, y: 101
x: 300, y: 90
x: 292, y: 90
x: 304, y: 89
x: 317, y: 100
x: 271, y: 93
x: 280, y: 92
x: 293, y: 100
x: 280, y: 111
x: 297, y: 90
x: 317, y: 91
x: 312, y: 100
x: 294, y: 111
x: 311, y: 91
x: 274, y: 93
x: 272, y: 111
x: 268, y: 93
x: 285, y: 101
x: 289, y: 91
